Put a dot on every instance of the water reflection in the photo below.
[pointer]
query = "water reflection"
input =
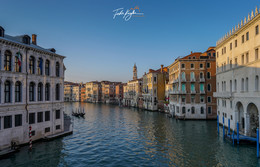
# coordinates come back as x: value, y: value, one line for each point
x: 114, y: 136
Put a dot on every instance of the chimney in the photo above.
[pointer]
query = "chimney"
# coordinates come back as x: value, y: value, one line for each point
x: 191, y: 52
x: 162, y: 68
x: 34, y: 39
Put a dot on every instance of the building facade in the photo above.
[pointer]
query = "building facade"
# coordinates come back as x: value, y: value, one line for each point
x: 132, y: 93
x: 32, y: 83
x: 93, y: 92
x: 238, y: 71
x: 153, y: 91
x: 193, y: 82
x: 119, y: 93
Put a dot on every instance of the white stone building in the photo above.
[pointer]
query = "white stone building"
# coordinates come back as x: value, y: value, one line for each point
x: 238, y: 71
x: 32, y: 80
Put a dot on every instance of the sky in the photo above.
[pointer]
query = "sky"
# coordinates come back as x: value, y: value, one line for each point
x: 100, y: 47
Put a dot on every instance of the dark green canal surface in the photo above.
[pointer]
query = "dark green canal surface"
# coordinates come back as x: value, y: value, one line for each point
x: 114, y: 136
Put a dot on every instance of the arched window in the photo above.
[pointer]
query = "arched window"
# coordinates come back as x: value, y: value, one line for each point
x: 57, y: 69
x: 18, y: 91
x: 201, y: 75
x: 31, y: 65
x: 39, y: 66
x: 256, y: 83
x: 183, y: 110
x: 47, y: 67
x: 57, y: 92
x: 31, y: 92
x: 7, y: 91
x: 47, y: 92
x: 201, y: 110
x: 247, y: 84
x: 183, y: 75
x: 7, y: 61
x: 193, y: 110
x: 40, y: 91
x: 208, y: 75
x: 242, y: 84
x: 18, y: 62
x: 209, y: 87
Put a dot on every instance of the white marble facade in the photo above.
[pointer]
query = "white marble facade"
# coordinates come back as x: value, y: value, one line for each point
x: 14, y: 114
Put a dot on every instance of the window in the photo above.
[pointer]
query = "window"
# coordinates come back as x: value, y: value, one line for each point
x: 57, y: 69
x: 235, y: 85
x: 26, y: 39
x: 209, y: 87
x: 230, y: 103
x: 33, y: 133
x: 235, y: 62
x: 208, y: 65
x: 47, y: 67
x: 7, y: 91
x: 242, y: 84
x: 7, y: 61
x: 243, y: 38
x: 247, y: 58
x: 31, y: 118
x: 31, y: 65
x: 57, y: 114
x: 242, y: 59
x: 47, y: 92
x: 201, y: 65
x: 39, y: 66
x: 256, y: 30
x: 193, y: 110
x: 192, y: 87
x: 192, y: 77
x: 47, y: 130
x: 154, y: 79
x: 256, y: 54
x: 202, y: 87
x: 57, y: 90
x: 40, y: 87
x: 247, y: 36
x: 183, y: 99
x: 47, y: 115
x: 40, y: 117
x: 18, y: 62
x: 182, y: 65
x: 2, y: 32
x: 7, y: 122
x: 230, y: 46
x: 230, y: 64
x: 192, y: 99
x: 247, y: 84
x: 183, y: 75
x: 235, y: 43
x: 201, y: 110
x: 18, y: 91
x: 183, y: 87
x: 209, y: 99
x: 191, y: 65
x: 57, y: 127
x: 209, y: 110
x: 208, y: 75
x: 201, y: 75
x: 31, y: 91
x: 256, y: 83
x: 18, y: 120
x: 183, y: 110
x: 202, y: 99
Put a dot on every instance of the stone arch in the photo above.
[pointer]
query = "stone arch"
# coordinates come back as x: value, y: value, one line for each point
x: 240, y: 116
x: 253, y: 113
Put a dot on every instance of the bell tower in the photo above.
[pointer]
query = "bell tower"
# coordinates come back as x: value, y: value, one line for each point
x: 135, y: 72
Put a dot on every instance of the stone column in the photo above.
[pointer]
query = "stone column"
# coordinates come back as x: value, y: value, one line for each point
x: 247, y: 124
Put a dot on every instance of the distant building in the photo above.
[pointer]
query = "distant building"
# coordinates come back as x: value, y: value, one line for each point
x: 133, y: 93
x: 193, y: 82
x: 108, y: 91
x: 153, y: 90
x: 32, y: 83
x: 238, y: 72
x: 93, y: 92
x: 83, y: 93
x: 119, y: 93
x: 72, y: 92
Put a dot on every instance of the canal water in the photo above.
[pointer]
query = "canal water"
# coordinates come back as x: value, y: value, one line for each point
x: 114, y: 136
